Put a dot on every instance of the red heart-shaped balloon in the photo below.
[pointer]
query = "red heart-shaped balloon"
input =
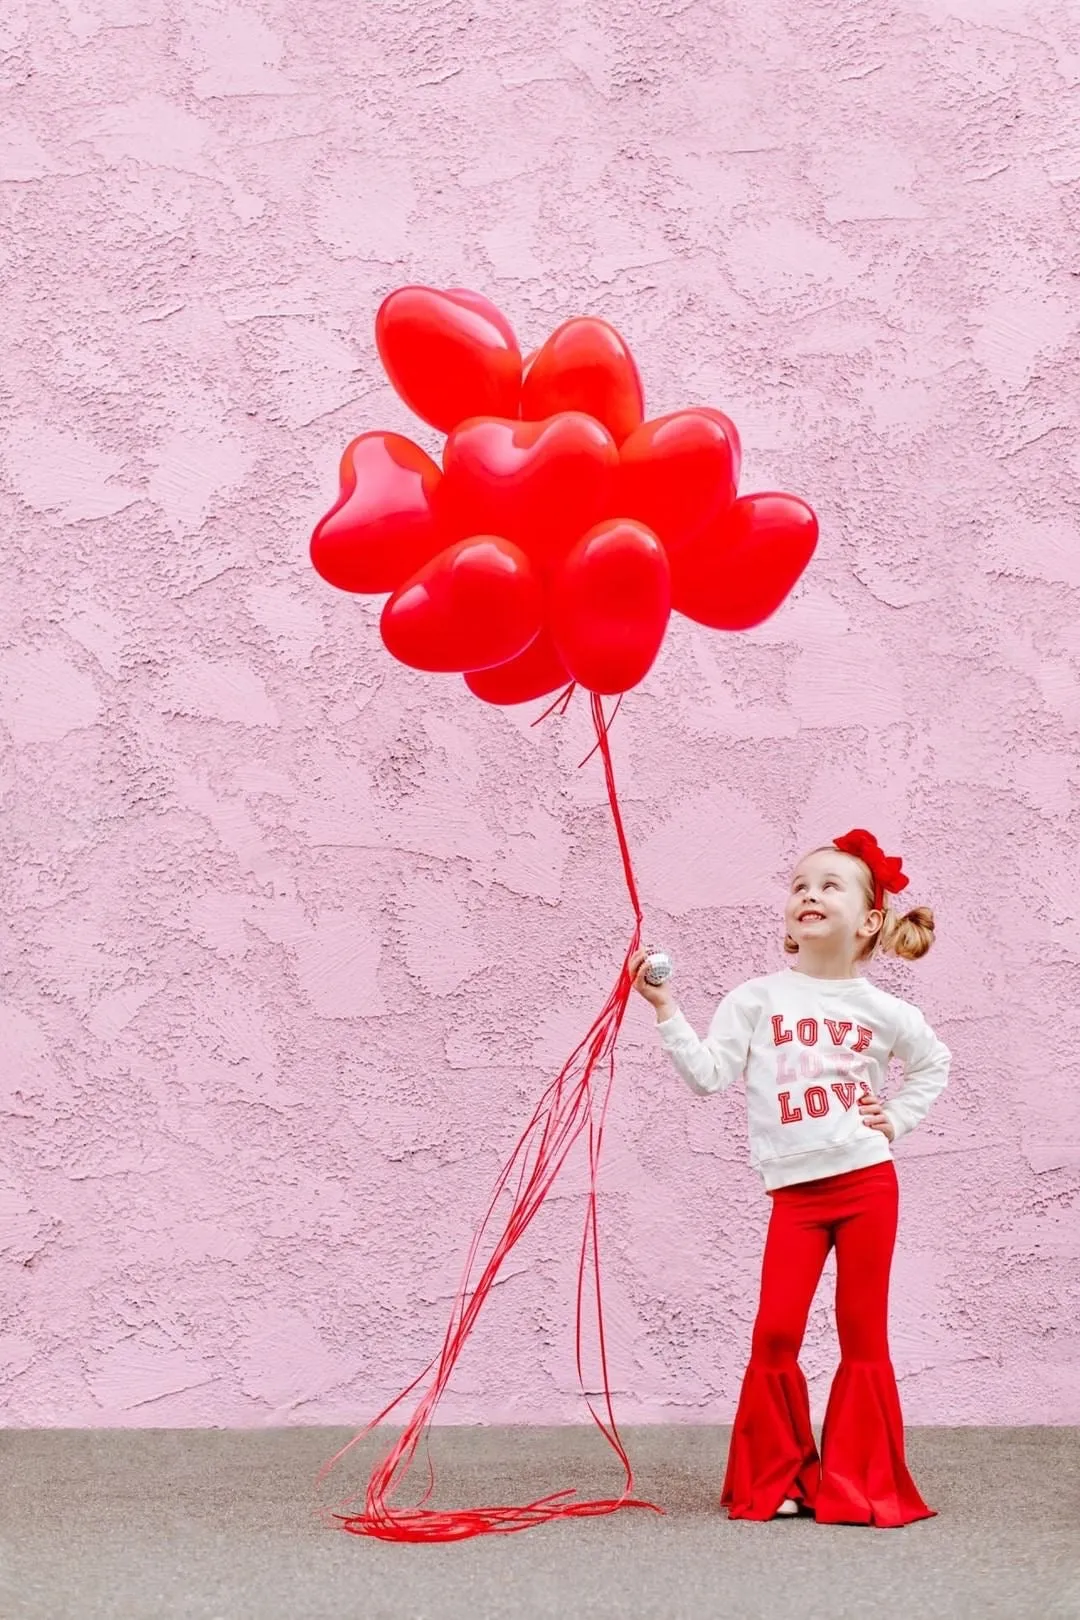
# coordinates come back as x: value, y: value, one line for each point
x: 675, y: 476
x: 477, y: 603
x: 484, y: 306
x: 383, y: 526
x: 532, y: 674
x: 540, y: 484
x: 732, y: 432
x: 741, y: 570
x: 450, y: 355
x: 609, y: 606
x: 585, y: 366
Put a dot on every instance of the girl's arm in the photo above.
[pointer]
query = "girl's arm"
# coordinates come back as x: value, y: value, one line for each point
x: 713, y: 1063
x: 926, y: 1068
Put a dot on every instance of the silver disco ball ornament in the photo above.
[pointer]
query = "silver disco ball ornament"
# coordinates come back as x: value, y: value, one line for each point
x: 658, y: 967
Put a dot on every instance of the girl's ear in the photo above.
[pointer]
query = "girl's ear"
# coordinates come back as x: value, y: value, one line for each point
x: 873, y: 924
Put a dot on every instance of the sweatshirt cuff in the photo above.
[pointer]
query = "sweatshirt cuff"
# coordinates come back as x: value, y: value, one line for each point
x: 675, y: 1028
x: 896, y: 1120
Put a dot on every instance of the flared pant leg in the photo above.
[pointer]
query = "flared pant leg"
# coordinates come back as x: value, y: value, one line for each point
x: 861, y: 1476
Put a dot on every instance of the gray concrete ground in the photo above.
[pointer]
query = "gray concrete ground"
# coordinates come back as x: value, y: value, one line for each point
x: 221, y: 1525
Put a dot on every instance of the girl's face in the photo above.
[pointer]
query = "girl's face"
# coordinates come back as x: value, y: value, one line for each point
x: 826, y: 910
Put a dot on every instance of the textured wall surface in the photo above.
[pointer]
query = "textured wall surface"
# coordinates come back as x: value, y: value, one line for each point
x: 294, y: 938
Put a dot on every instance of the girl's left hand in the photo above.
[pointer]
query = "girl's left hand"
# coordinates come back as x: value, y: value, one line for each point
x: 875, y: 1116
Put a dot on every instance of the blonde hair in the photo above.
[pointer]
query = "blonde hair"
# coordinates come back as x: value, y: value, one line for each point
x: 908, y: 936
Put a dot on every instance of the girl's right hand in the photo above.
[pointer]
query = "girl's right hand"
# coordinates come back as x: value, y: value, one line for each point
x: 657, y: 995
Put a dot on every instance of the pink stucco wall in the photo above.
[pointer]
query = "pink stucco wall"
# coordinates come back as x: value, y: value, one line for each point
x: 293, y: 938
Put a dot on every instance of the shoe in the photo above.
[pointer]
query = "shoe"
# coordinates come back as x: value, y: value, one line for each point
x: 787, y: 1509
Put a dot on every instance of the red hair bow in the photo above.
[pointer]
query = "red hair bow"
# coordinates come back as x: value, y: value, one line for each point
x: 886, y: 870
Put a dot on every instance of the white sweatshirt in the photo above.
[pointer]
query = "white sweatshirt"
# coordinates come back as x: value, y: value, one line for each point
x: 810, y: 1048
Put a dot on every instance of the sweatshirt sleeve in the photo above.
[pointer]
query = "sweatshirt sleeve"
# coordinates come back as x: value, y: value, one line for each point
x: 713, y: 1063
x: 926, y: 1068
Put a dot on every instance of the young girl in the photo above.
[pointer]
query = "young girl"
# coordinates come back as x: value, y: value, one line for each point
x: 814, y: 1042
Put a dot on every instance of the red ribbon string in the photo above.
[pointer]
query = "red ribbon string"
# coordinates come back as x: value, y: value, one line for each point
x: 574, y: 1104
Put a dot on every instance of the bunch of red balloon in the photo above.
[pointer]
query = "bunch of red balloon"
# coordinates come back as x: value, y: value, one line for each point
x: 548, y: 551
x: 562, y: 528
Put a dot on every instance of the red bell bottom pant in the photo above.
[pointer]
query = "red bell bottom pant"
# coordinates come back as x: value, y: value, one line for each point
x: 861, y: 1476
